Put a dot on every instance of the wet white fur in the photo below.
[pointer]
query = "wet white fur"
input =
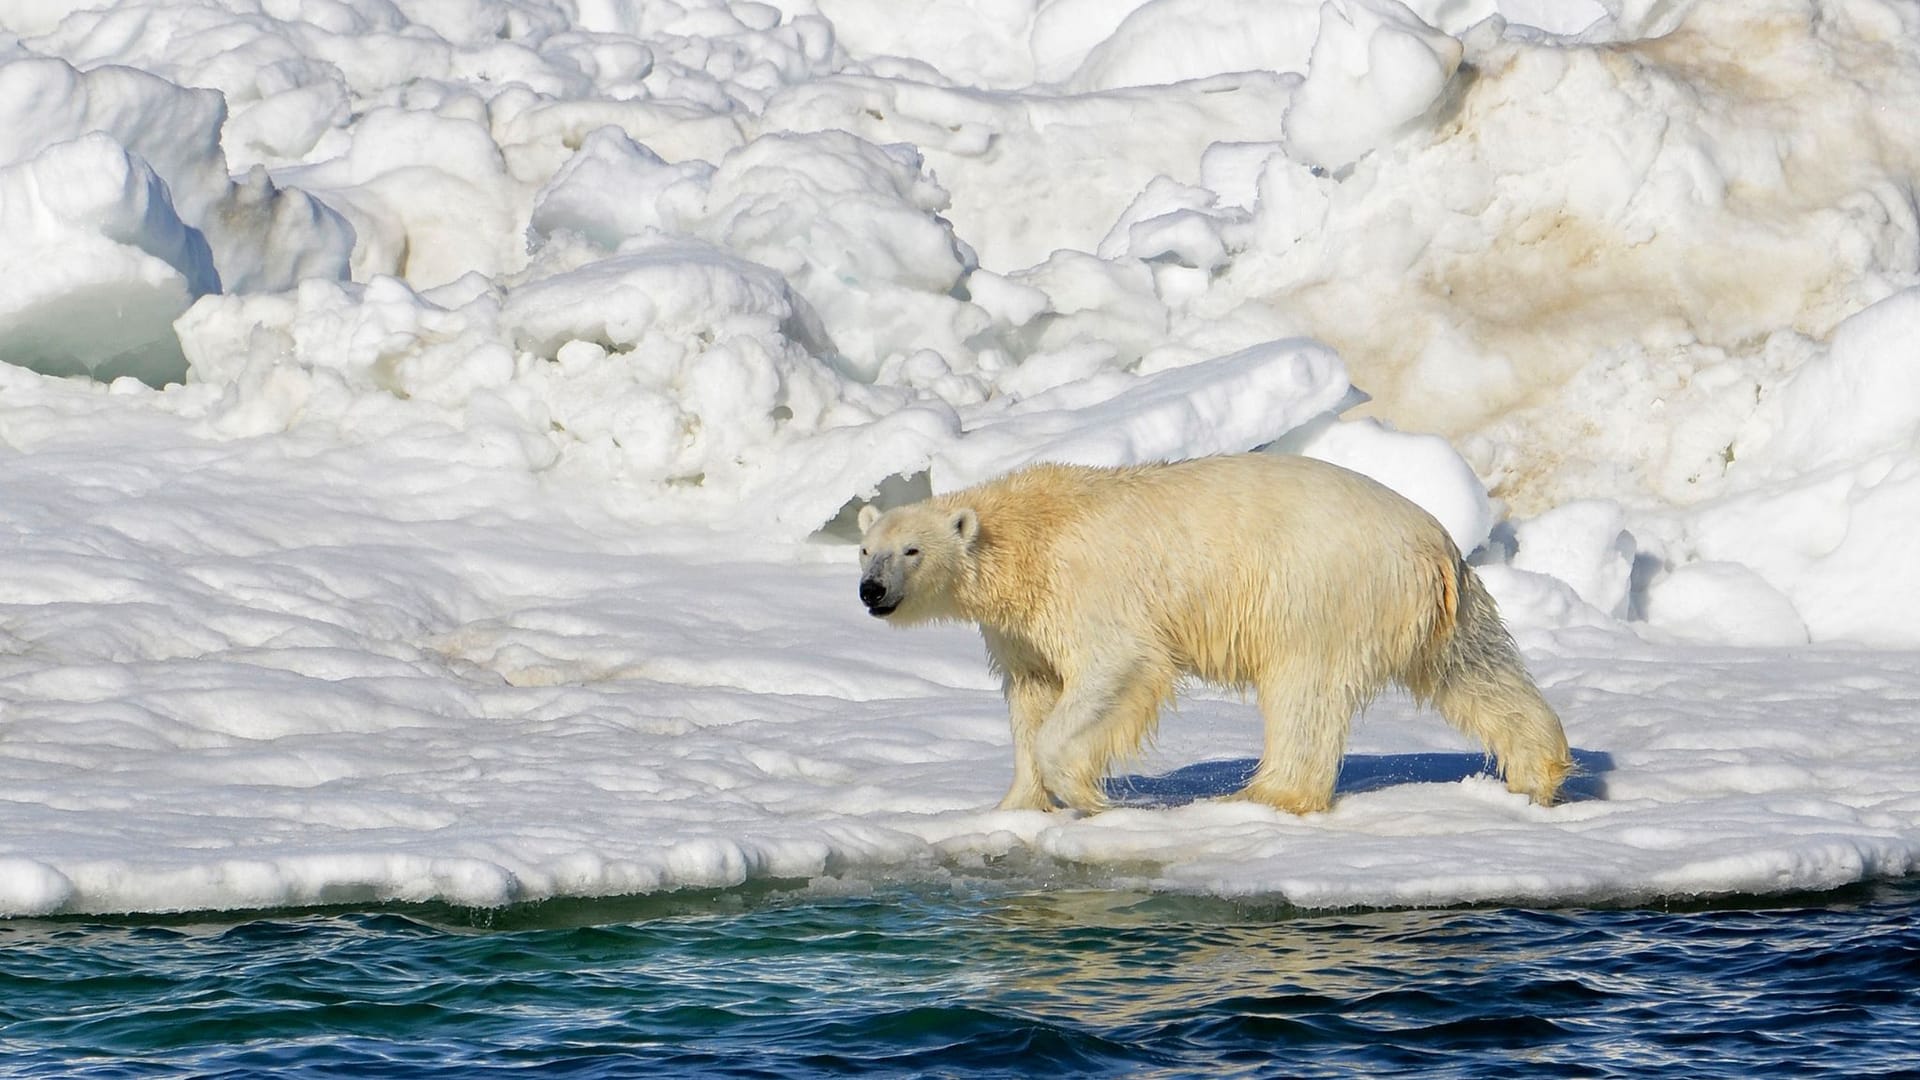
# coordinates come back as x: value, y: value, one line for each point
x: 1313, y: 586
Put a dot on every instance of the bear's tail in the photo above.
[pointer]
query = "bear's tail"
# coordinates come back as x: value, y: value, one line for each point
x: 1480, y: 684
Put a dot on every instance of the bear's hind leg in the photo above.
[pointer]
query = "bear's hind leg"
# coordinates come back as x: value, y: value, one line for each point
x: 1306, y: 735
x: 1479, y: 683
x: 1504, y: 710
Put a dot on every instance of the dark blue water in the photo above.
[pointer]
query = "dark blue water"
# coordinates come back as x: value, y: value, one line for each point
x: 973, y: 982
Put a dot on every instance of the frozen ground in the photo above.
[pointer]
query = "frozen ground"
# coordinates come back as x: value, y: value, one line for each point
x: 522, y: 359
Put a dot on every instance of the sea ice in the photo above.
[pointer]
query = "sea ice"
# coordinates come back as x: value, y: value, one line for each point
x: 506, y: 374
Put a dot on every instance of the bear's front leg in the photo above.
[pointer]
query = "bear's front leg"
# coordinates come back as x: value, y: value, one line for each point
x: 1103, y: 713
x: 1030, y: 699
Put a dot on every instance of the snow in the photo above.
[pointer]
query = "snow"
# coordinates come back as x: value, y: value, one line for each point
x: 91, y: 230
x: 1375, y: 67
x: 118, y: 213
x: 430, y: 431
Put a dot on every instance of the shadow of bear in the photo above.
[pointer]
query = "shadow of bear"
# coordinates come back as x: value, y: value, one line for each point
x: 1358, y: 772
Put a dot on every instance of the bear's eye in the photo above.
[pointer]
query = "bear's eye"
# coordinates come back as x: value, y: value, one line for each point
x: 863, y: 553
x: 911, y: 552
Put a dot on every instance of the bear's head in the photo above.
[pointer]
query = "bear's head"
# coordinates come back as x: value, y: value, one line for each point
x: 911, y: 559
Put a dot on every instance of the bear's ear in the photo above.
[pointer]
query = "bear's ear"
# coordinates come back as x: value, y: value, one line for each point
x: 966, y: 524
x: 868, y: 515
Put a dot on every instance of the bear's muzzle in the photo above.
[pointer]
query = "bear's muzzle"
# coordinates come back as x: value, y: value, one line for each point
x: 874, y: 595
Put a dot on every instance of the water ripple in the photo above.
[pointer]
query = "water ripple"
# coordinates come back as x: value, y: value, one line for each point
x: 958, y: 983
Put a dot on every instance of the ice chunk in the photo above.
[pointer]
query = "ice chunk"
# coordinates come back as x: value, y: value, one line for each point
x: 1170, y: 40
x: 118, y: 212
x: 428, y: 195
x: 1375, y: 67
x: 1867, y: 375
x: 31, y: 887
x: 261, y: 235
x: 1584, y: 544
x: 1424, y: 468
x: 1229, y: 404
x: 1722, y: 603
x: 98, y: 264
x: 176, y: 130
x: 613, y: 189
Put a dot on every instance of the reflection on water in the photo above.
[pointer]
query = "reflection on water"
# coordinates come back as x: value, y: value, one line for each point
x: 964, y: 978
x: 1096, y: 943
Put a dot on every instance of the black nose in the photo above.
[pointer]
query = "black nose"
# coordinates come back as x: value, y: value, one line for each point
x: 872, y: 592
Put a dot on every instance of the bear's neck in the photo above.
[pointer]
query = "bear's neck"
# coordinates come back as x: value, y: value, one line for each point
x: 1008, y: 582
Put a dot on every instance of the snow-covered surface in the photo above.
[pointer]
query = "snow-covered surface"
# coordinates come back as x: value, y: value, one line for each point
x: 535, y: 351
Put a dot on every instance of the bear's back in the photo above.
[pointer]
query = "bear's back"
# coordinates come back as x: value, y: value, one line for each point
x: 1223, y: 556
x: 1204, y: 502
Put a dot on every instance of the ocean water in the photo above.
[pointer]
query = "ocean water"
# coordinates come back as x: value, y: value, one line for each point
x: 971, y: 979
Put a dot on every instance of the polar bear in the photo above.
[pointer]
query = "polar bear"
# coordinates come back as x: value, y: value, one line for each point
x: 1097, y: 589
